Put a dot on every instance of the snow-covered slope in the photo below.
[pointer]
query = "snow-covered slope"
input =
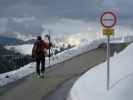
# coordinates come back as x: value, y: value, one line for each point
x: 92, y: 85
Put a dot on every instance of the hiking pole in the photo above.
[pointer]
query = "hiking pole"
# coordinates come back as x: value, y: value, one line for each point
x: 49, y: 39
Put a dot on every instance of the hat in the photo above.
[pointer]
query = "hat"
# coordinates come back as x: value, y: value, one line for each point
x: 39, y: 38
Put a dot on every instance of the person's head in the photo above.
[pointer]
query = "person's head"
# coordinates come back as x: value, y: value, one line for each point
x: 39, y: 38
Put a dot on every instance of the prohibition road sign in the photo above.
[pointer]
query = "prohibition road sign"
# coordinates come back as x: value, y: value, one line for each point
x: 108, y: 19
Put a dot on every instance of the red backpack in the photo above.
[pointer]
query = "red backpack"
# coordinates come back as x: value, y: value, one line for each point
x: 39, y: 49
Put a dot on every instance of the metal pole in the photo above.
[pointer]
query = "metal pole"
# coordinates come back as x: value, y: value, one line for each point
x: 49, y: 38
x: 108, y: 63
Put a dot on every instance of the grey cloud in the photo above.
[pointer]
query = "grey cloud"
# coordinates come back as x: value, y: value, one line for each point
x: 30, y: 27
x: 80, y: 9
x: 46, y: 10
x: 50, y: 8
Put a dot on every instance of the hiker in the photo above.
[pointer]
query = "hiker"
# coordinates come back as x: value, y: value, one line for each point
x: 39, y: 52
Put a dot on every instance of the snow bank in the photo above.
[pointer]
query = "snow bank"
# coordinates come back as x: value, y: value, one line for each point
x: 92, y: 85
x: 16, y: 74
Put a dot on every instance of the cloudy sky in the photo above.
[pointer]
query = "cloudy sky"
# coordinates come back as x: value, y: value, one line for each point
x: 31, y: 17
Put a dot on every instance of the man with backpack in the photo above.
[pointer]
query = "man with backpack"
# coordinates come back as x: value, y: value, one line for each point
x: 39, y: 52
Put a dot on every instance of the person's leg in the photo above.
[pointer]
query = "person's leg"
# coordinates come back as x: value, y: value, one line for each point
x: 43, y: 65
x: 38, y: 66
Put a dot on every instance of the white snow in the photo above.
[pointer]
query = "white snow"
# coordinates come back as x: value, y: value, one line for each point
x: 16, y: 74
x: 67, y: 54
x: 92, y: 85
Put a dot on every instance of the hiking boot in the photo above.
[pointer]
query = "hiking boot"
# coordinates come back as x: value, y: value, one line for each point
x: 42, y: 75
x: 37, y: 75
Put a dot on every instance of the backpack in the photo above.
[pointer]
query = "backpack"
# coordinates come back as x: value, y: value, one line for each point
x: 38, y: 49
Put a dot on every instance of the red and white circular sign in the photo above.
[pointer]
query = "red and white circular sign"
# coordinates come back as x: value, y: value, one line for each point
x: 108, y: 19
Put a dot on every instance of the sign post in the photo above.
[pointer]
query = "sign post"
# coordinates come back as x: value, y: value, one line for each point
x: 108, y: 21
x: 108, y: 62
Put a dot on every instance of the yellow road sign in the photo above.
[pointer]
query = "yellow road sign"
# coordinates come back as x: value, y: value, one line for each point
x: 108, y: 31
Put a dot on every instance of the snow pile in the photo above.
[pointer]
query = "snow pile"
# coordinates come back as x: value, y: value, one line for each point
x: 92, y: 85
